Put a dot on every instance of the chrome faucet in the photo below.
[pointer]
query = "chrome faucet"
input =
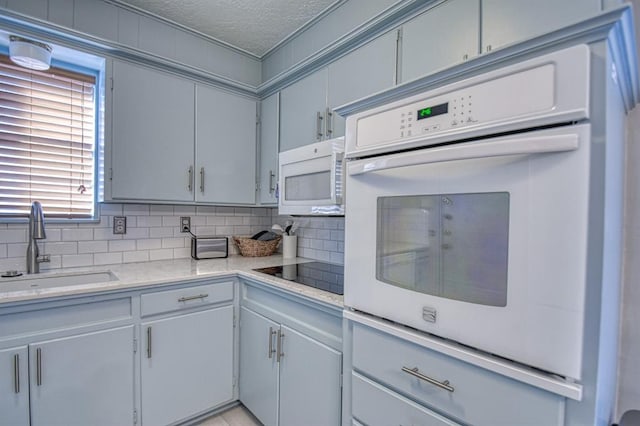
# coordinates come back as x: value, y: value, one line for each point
x: 36, y: 232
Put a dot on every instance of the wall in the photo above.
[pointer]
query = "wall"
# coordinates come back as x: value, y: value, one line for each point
x: 120, y: 26
x: 152, y: 234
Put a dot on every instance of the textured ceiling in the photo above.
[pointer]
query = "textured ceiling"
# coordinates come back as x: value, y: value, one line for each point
x: 252, y: 25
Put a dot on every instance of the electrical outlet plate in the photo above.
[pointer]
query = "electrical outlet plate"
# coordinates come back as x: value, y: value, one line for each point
x: 119, y: 224
x: 185, y: 224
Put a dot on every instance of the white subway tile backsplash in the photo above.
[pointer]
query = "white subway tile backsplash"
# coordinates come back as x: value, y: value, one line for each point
x: 149, y: 244
x: 77, y: 234
x: 73, y: 260
x: 135, y: 209
x: 173, y: 242
x: 107, y: 258
x: 171, y: 221
x: 160, y: 232
x: 135, y: 256
x: 153, y: 233
x: 161, y: 254
x: 160, y: 210
x: 149, y: 221
x: 70, y: 247
x: 13, y: 235
x: 122, y: 245
x: 17, y: 250
x: 93, y: 246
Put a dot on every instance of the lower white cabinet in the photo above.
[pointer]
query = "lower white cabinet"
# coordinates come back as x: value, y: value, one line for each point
x: 84, y: 379
x: 288, y: 376
x: 187, y: 365
x: 14, y: 386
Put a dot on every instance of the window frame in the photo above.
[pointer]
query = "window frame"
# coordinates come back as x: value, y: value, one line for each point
x: 98, y: 147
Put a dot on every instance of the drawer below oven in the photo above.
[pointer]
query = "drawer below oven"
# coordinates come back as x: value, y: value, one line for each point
x: 462, y: 391
x: 375, y: 405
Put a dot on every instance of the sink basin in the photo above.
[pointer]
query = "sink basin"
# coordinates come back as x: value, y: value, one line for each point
x: 55, y: 280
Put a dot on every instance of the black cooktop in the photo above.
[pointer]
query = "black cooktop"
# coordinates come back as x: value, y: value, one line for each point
x: 324, y: 276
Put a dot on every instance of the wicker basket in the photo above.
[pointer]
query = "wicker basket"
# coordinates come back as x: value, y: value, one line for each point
x: 256, y: 248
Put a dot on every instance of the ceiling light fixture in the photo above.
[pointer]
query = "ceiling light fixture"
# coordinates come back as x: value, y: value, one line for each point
x: 29, y: 53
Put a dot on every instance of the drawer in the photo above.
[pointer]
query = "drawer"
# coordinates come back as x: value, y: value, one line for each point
x: 185, y: 298
x: 474, y: 395
x: 375, y: 405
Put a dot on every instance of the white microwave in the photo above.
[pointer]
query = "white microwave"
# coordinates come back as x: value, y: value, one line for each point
x: 312, y: 180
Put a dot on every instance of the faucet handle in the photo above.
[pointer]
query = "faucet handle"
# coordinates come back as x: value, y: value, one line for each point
x: 44, y: 258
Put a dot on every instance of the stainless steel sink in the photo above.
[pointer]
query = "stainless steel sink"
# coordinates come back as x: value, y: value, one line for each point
x: 55, y: 280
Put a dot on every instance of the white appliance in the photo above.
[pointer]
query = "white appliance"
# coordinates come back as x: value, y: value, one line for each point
x: 468, y: 211
x: 312, y: 180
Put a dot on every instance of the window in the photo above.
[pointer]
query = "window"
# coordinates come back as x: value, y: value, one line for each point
x: 47, y: 141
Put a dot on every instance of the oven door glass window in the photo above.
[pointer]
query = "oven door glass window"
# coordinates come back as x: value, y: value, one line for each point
x: 447, y: 245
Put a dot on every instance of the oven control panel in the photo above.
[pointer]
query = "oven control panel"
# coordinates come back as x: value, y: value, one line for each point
x: 548, y: 89
x: 421, y: 118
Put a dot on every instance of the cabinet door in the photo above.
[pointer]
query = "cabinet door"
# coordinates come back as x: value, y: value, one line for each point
x: 14, y: 386
x: 269, y: 128
x: 152, y: 136
x: 300, y: 104
x: 505, y: 22
x: 361, y: 73
x: 83, y: 380
x: 259, y: 366
x: 225, y: 147
x: 186, y: 355
x: 441, y: 37
x: 310, y: 390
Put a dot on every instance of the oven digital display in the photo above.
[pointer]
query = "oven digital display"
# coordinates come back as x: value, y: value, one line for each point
x: 432, y: 111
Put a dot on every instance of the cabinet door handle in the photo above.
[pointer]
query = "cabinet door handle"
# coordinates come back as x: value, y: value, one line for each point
x: 272, y: 179
x: 190, y: 183
x: 319, y: 132
x: 39, y: 367
x: 488, y: 48
x: 414, y: 372
x: 16, y: 373
x: 329, y: 122
x: 202, y: 179
x: 280, y: 346
x: 148, y: 342
x: 199, y: 296
x: 272, y: 332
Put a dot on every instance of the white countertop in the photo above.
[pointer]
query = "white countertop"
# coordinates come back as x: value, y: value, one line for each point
x: 144, y: 274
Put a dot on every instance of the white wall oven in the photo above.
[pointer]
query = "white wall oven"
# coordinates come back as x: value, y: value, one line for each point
x: 468, y: 211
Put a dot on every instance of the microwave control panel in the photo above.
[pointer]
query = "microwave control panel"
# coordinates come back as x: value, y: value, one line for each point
x: 423, y: 118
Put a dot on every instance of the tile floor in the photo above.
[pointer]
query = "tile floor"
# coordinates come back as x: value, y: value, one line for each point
x: 237, y: 416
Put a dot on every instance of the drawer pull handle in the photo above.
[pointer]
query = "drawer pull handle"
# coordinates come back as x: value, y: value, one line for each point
x: 272, y: 333
x: 187, y: 298
x: 39, y: 367
x: 414, y: 372
x: 16, y: 373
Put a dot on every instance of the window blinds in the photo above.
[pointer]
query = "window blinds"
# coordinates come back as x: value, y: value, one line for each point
x: 47, y: 141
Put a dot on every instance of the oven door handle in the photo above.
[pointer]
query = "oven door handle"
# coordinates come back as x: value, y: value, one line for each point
x: 468, y: 150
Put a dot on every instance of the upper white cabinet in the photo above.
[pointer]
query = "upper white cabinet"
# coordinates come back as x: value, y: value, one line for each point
x: 505, y: 22
x: 225, y: 147
x: 269, y: 128
x: 457, y: 30
x: 303, y: 107
x: 307, y: 106
x: 361, y: 73
x: 152, y: 146
x: 175, y: 141
x: 441, y: 37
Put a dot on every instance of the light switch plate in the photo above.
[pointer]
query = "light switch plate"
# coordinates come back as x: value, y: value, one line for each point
x: 119, y: 224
